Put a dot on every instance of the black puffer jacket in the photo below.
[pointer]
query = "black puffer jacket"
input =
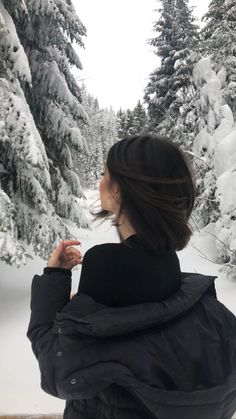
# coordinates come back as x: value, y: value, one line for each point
x: 174, y: 359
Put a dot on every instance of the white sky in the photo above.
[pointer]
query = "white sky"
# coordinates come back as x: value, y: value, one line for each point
x: 117, y: 60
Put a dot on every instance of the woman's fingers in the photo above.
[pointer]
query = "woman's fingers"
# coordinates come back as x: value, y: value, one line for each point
x: 71, y: 242
x: 65, y: 255
x: 71, y: 263
x: 54, y: 259
x: 72, y: 252
x: 71, y: 257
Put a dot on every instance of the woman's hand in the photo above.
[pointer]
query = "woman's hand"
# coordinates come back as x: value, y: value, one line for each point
x: 65, y: 256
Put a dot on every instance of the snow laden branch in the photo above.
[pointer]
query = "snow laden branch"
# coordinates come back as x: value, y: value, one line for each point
x: 12, y: 47
x: 215, y: 145
x: 41, y: 119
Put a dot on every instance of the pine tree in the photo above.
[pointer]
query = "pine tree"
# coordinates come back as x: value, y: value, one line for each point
x: 100, y: 133
x: 140, y: 119
x: 129, y: 121
x: 121, y: 121
x: 31, y: 169
x: 181, y: 120
x: 176, y: 40
x: 89, y: 164
x: 214, y: 18
x: 214, y: 150
x: 24, y: 167
x: 107, y: 131
x: 158, y: 91
x: 210, y: 146
x: 55, y: 99
x: 219, y: 40
x: 132, y: 122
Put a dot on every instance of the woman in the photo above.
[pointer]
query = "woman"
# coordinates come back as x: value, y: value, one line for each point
x: 140, y: 339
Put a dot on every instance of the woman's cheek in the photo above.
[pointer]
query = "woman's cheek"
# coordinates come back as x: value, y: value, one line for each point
x: 101, y: 193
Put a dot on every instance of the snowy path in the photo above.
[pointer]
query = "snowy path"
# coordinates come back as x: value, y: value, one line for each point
x: 19, y: 379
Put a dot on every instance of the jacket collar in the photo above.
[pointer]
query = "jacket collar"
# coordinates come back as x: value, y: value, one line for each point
x: 84, y: 315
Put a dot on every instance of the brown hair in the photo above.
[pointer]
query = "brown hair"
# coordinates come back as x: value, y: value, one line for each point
x: 157, y: 190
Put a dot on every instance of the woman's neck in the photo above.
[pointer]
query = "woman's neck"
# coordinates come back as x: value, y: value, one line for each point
x: 125, y: 229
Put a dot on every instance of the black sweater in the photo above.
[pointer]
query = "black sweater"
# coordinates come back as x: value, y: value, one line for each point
x: 117, y: 275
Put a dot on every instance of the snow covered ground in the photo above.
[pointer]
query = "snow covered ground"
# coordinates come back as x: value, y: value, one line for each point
x: 19, y: 378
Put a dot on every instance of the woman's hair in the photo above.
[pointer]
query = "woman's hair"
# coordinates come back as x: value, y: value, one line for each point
x: 157, y: 190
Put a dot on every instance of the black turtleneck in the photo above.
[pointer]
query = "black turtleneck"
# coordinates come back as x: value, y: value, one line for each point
x: 117, y: 275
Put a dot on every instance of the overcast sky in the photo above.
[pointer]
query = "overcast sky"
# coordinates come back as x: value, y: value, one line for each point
x: 117, y: 59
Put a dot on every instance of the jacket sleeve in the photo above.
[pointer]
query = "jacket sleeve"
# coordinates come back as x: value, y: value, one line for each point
x: 50, y: 292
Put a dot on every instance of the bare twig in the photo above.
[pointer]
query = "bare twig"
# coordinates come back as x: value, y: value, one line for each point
x: 200, y: 158
x: 224, y: 245
x: 202, y: 255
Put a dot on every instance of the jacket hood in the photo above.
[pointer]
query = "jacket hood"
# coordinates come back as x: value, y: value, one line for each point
x: 84, y: 315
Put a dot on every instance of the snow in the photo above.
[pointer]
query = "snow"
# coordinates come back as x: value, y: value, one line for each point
x: 63, y: 199
x: 219, y: 117
x: 225, y: 154
x: 232, y: 89
x: 216, y: 142
x: 204, y: 242
x: 226, y: 124
x: 19, y: 121
x: 55, y: 86
x: 36, y: 152
x: 218, y: 121
x: 226, y: 192
x: 177, y: 64
x: 202, y: 140
x: 16, y: 53
x: 202, y: 71
x: 211, y: 95
x: 20, y: 379
x: 222, y: 74
x: 59, y: 125
x: 10, y: 249
x: 42, y: 7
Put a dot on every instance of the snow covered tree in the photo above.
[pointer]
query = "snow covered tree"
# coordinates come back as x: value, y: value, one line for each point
x: 89, y: 165
x: 181, y: 120
x: 132, y: 122
x: 140, y: 119
x: 100, y: 133
x: 171, y: 82
x: 129, y: 121
x: 219, y: 41
x: 214, y: 18
x: 215, y: 148
x: 28, y: 175
x: 108, y: 125
x: 159, y: 84
x: 10, y: 249
x: 121, y: 121
x: 24, y: 168
x: 55, y: 98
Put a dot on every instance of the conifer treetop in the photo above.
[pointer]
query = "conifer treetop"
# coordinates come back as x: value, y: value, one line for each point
x: 177, y: 38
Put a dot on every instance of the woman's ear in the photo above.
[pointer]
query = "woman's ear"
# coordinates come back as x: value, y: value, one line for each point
x: 114, y: 188
x: 116, y: 192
